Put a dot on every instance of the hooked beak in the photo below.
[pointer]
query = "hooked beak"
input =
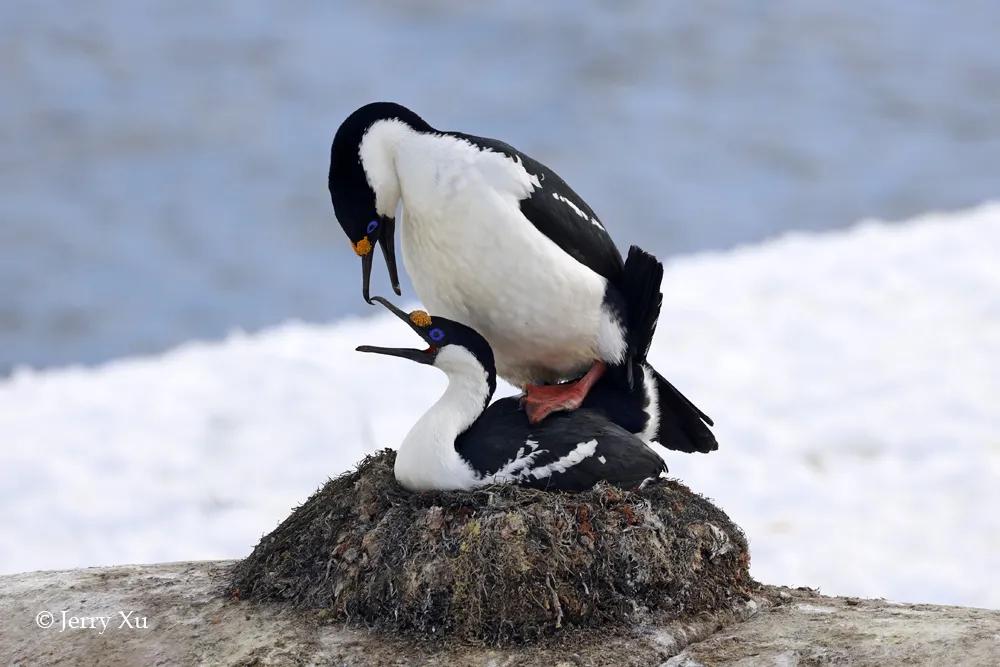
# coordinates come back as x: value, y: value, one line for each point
x: 420, y: 356
x: 366, y: 275
x: 387, y: 241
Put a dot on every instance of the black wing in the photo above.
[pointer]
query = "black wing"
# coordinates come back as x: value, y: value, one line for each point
x: 561, y: 214
x: 536, y: 455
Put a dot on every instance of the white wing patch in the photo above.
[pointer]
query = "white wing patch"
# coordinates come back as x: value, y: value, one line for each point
x: 516, y: 468
x: 578, y: 210
x: 579, y: 453
x: 519, y: 467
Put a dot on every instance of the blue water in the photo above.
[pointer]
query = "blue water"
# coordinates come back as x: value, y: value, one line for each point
x: 163, y: 164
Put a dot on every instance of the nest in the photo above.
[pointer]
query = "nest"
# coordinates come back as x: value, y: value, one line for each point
x: 499, y: 564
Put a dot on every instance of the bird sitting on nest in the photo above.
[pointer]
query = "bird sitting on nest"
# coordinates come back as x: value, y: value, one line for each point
x: 497, y: 241
x: 463, y: 442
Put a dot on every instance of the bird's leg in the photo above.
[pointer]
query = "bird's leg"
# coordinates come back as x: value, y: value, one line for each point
x: 542, y: 400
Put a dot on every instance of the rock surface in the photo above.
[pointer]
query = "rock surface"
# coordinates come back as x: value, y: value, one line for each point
x: 187, y: 622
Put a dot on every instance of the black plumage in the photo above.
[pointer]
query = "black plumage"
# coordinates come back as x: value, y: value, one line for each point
x: 622, y: 393
x: 502, y: 436
x: 582, y: 237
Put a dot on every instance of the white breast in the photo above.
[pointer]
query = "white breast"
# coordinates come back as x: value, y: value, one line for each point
x: 475, y: 258
x: 427, y: 458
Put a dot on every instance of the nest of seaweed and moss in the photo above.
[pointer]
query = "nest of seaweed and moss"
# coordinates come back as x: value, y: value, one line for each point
x: 499, y: 564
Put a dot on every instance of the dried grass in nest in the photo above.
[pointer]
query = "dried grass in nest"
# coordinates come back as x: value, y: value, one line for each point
x: 499, y: 564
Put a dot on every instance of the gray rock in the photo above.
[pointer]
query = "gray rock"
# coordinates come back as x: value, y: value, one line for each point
x: 804, y: 628
x: 178, y: 617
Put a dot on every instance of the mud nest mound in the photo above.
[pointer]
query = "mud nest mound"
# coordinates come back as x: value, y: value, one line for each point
x: 499, y: 564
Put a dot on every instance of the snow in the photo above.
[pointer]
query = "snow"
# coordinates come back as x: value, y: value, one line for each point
x: 853, y: 376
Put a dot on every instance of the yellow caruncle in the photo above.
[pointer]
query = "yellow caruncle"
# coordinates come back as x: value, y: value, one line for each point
x: 362, y: 247
x: 420, y: 318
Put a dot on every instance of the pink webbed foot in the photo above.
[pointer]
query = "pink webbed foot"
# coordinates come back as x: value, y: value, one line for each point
x: 540, y: 401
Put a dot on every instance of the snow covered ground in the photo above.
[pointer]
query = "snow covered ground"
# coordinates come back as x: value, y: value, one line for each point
x: 854, y: 377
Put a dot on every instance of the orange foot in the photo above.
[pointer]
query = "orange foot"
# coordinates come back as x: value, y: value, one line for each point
x: 540, y: 401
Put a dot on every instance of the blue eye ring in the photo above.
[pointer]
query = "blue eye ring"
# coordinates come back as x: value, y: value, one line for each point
x: 436, y: 335
x: 372, y: 226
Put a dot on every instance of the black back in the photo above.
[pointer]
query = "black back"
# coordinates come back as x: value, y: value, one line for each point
x: 502, y: 433
x: 578, y: 237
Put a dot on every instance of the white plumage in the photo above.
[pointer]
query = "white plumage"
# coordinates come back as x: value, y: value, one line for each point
x: 427, y: 458
x: 475, y: 258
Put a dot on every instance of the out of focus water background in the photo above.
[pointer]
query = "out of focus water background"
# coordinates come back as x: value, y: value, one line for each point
x: 163, y: 164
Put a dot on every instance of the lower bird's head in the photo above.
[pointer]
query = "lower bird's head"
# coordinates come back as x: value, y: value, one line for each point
x: 451, y: 346
x: 364, y: 188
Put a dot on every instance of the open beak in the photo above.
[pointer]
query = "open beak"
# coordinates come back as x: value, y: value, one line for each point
x: 386, y: 241
x: 420, y: 356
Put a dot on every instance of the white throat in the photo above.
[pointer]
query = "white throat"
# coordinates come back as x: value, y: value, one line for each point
x: 427, y: 458
x: 378, y: 159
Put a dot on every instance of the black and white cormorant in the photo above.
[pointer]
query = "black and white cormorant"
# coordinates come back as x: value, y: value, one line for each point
x: 491, y: 238
x: 463, y: 441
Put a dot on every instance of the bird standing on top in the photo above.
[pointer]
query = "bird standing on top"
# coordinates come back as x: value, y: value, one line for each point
x: 492, y: 239
x: 463, y: 441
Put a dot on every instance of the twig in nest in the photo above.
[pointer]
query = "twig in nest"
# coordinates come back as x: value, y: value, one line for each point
x: 555, y: 602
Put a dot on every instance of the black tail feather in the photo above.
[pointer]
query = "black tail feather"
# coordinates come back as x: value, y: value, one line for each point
x: 683, y: 427
x: 640, y: 289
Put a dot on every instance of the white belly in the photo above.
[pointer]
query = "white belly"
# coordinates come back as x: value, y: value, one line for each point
x: 476, y: 263
x: 474, y: 258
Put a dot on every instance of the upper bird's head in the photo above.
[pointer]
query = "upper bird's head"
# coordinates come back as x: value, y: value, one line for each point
x: 363, y: 185
x: 451, y: 346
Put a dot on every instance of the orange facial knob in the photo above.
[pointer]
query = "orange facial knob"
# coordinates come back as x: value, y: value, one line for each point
x: 362, y: 247
x: 420, y: 318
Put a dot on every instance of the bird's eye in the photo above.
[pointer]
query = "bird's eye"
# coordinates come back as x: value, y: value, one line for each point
x: 436, y: 335
x: 372, y: 226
